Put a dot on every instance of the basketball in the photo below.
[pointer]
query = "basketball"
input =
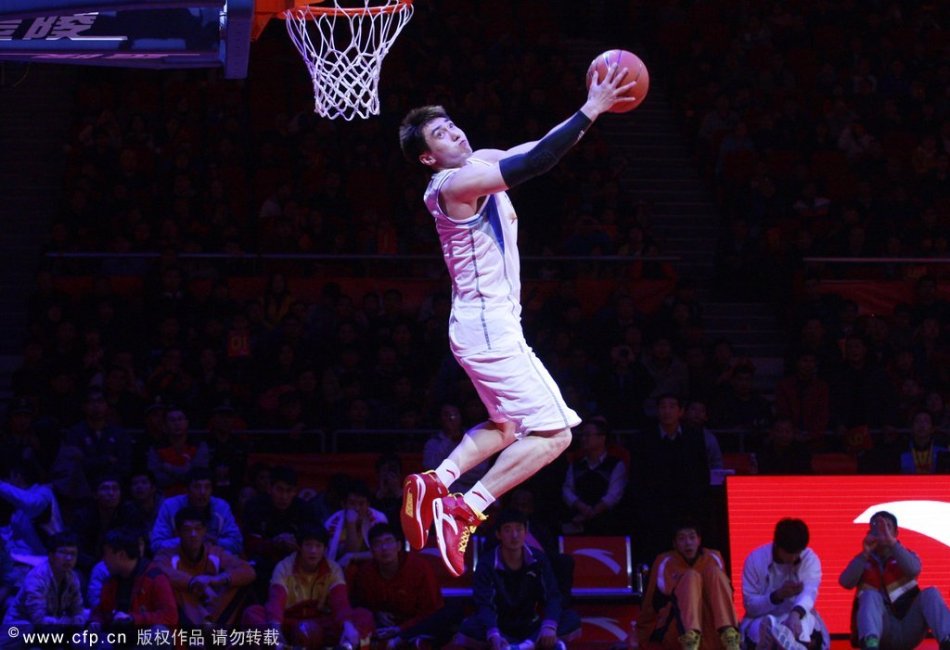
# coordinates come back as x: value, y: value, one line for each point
x: 636, y: 71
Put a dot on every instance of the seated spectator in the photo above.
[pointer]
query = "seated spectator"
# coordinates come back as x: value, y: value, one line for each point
x: 35, y: 515
x: 688, y: 602
x: 209, y: 583
x: 921, y: 458
x: 308, y: 600
x: 50, y: 594
x: 439, y: 446
x: 803, y: 398
x: 102, y: 444
x: 349, y: 527
x: 92, y: 522
x: 400, y: 590
x: 271, y: 523
x: 517, y: 599
x: 388, y: 496
x: 136, y: 593
x: 594, y: 483
x: 170, y: 464
x: 224, y: 445
x: 144, y: 497
x: 782, y: 452
x: 861, y: 395
x: 890, y: 610
x: 779, y: 589
x: 223, y: 531
x: 739, y: 404
x: 695, y: 416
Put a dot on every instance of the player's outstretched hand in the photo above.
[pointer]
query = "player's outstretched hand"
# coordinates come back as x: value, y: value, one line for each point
x: 604, y: 93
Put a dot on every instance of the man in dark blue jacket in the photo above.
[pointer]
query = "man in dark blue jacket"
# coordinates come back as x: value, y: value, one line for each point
x: 518, y: 604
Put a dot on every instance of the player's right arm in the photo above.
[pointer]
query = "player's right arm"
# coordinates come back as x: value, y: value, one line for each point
x: 525, y: 161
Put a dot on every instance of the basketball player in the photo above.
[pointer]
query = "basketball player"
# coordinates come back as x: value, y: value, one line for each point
x: 478, y: 229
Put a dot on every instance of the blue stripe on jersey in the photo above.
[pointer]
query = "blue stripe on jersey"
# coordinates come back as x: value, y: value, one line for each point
x: 491, y: 209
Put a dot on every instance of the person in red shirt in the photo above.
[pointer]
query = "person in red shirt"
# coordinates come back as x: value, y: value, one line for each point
x: 308, y: 600
x: 136, y: 593
x: 399, y: 588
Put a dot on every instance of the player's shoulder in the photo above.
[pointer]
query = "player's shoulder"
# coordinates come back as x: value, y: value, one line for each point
x: 487, y: 155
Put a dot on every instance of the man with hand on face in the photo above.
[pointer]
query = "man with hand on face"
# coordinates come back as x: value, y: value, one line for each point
x: 890, y: 610
x: 779, y: 589
x: 688, y: 602
x: 349, y: 528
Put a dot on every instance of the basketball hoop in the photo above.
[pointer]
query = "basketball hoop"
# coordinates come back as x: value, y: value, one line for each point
x: 344, y: 48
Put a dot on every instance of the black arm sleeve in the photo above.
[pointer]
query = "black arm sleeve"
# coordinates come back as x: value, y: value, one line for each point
x: 545, y: 154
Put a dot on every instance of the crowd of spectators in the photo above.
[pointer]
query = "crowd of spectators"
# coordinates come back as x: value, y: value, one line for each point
x: 133, y: 406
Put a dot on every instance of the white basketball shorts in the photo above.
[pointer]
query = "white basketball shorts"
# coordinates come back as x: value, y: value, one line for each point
x: 515, y: 387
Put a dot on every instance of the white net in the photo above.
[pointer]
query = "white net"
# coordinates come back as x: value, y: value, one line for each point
x: 344, y: 47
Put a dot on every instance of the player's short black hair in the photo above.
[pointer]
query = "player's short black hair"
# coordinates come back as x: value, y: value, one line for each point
x: 791, y: 535
x: 411, y: 140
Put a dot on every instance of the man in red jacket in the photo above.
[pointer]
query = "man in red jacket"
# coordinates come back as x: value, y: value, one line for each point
x: 399, y: 588
x: 136, y: 593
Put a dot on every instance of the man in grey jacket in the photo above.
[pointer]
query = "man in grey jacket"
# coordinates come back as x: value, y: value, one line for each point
x: 890, y: 609
x: 50, y: 595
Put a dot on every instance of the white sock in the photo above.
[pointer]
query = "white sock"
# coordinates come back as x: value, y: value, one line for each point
x: 478, y: 498
x: 447, y: 472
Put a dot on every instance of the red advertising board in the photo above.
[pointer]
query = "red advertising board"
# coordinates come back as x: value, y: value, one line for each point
x: 837, y: 509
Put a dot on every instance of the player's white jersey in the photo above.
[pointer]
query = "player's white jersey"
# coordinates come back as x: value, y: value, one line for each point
x: 481, y: 253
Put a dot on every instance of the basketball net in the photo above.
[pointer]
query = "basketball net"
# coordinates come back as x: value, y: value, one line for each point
x: 344, y: 48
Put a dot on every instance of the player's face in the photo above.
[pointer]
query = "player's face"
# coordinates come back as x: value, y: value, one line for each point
x: 448, y: 146
x: 687, y: 543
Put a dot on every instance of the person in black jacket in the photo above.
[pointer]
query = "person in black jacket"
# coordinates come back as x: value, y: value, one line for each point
x: 669, y: 477
x: 517, y: 600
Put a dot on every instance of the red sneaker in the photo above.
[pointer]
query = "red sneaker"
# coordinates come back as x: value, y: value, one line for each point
x: 455, y: 522
x: 418, y: 493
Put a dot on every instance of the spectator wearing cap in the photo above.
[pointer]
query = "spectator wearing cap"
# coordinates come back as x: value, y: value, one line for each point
x: 271, y: 522
x: 50, y: 595
x: 171, y: 463
x: 208, y: 581
x: 21, y: 441
x: 100, y: 444
x: 595, y: 482
x: 308, y: 600
x: 94, y: 520
x: 517, y: 599
x: 399, y: 588
x: 223, y: 531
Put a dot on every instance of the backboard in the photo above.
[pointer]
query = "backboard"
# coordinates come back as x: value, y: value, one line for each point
x: 157, y: 34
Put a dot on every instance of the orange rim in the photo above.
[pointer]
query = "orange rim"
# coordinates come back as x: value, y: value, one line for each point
x: 309, y: 12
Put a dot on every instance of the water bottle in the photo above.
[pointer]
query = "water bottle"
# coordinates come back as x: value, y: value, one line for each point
x: 633, y: 641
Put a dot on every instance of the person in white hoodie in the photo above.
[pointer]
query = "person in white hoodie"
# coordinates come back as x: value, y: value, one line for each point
x: 779, y: 590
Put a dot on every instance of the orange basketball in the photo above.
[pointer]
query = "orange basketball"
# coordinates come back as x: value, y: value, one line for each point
x: 636, y: 71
